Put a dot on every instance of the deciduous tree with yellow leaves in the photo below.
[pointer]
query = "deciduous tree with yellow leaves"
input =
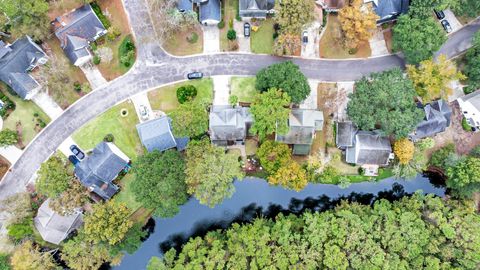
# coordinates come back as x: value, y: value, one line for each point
x: 290, y: 176
x: 358, y: 22
x: 404, y: 149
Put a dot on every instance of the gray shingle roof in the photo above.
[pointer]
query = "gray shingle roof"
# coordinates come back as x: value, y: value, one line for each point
x: 345, y: 134
x: 302, y: 126
x: 210, y: 10
x: 255, y: 8
x: 185, y: 5
x: 437, y: 119
x: 390, y: 9
x: 369, y: 148
x: 156, y: 134
x: 15, y: 62
x: 228, y: 123
x: 53, y: 227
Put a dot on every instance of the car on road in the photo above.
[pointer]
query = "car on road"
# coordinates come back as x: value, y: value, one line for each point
x: 446, y: 26
x: 77, y: 152
x: 194, y: 75
x: 305, y: 37
x: 142, y: 110
x: 74, y: 160
x: 246, y: 29
x: 440, y: 15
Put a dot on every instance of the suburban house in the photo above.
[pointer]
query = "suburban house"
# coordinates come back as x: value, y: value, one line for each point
x: 76, y: 30
x: 16, y: 60
x: 302, y: 125
x: 210, y: 11
x: 345, y: 134
x: 53, y: 227
x: 437, y: 119
x: 331, y: 5
x: 156, y: 134
x: 470, y: 107
x: 255, y: 8
x: 229, y: 125
x: 388, y: 10
x: 98, y: 170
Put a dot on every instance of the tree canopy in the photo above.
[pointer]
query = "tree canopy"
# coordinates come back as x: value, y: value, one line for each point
x: 160, y: 182
x: 53, y: 177
x: 472, y: 64
x: 290, y: 176
x: 292, y: 15
x: 287, y: 77
x: 27, y: 17
x: 74, y: 197
x: 404, y: 149
x: 358, y: 22
x: 468, y: 8
x: 424, y: 8
x: 464, y: 177
x: 273, y: 155
x: 385, y: 99
x: 28, y: 256
x: 190, y: 119
x: 8, y: 137
x: 82, y: 254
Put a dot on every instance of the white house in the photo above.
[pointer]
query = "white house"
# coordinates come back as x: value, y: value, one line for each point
x: 470, y: 106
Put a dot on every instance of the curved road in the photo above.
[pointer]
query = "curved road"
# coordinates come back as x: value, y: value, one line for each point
x: 155, y: 68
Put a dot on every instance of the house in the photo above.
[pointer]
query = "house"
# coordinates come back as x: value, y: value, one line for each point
x: 76, y: 30
x: 345, y: 134
x: 255, y: 8
x: 388, y: 10
x: 437, y: 119
x: 98, y: 170
x: 470, y: 107
x: 369, y: 149
x: 156, y: 134
x: 331, y: 5
x: 229, y: 125
x: 302, y: 125
x: 16, y: 60
x: 53, y: 227
x: 210, y: 11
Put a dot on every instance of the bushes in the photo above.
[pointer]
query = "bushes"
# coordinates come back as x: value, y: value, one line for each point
x: 7, y: 106
x: 109, y: 138
x: 113, y: 33
x: 4, y: 264
x: 126, y: 51
x: 465, y: 125
x: 96, y: 59
x: 192, y: 38
x: 8, y: 137
x: 98, y: 11
x: 231, y: 35
x: 441, y: 156
x: 22, y: 230
x: 221, y: 24
x: 186, y: 93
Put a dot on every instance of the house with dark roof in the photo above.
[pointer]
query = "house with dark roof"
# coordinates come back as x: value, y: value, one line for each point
x: 345, y: 134
x: 156, y: 134
x: 331, y: 5
x: 76, y: 30
x: 16, y: 61
x: 210, y: 11
x: 369, y: 148
x: 470, y: 107
x: 53, y: 227
x: 229, y: 125
x: 437, y: 119
x: 98, y: 170
x: 255, y: 8
x: 302, y: 125
x: 388, y: 10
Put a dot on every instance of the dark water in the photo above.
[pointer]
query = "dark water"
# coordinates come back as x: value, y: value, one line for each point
x: 254, y: 197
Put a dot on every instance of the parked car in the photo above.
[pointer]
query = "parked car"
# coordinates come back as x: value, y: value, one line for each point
x: 143, y: 112
x: 195, y: 75
x: 440, y: 15
x: 246, y: 29
x: 305, y: 37
x: 74, y: 160
x: 77, y: 152
x: 446, y: 26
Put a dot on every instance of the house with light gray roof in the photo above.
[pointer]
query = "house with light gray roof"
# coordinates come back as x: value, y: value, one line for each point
x: 369, y: 148
x: 229, y: 125
x: 156, y: 134
x: 255, y: 8
x: 16, y: 61
x: 76, y: 30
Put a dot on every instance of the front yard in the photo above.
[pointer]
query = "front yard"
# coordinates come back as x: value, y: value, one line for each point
x: 186, y: 42
x: 261, y: 41
x: 243, y: 88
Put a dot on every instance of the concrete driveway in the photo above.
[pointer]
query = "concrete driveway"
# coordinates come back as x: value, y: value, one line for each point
x: 243, y: 42
x: 211, y: 39
x: 311, y: 49
x: 141, y: 101
x: 221, y: 90
x: 377, y: 43
x: 454, y: 23
x: 311, y: 101
x: 94, y: 77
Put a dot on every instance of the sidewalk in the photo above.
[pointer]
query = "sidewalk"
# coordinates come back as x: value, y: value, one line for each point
x: 94, y: 77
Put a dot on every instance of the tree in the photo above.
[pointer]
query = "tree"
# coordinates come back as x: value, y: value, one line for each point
x: 8, y: 137
x: 160, y: 182
x: 18, y: 206
x: 441, y: 156
x: 418, y: 38
x: 432, y: 79
x: 186, y: 93
x: 233, y: 100
x: 292, y: 15
x: 81, y: 254
x: 464, y: 177
x: 53, y: 178
x: 287, y: 44
x: 472, y: 65
x: 54, y: 77
x: 270, y: 113
x: 404, y: 149
x: 27, y: 17
x: 424, y: 8
x: 168, y: 19
x: 108, y: 223
x: 28, y: 256
x: 231, y: 35
x: 285, y: 76
x: 385, y: 99
x: 358, y: 22
x: 469, y: 8
x: 131, y: 242
x: 210, y: 172
x: 290, y: 176
x: 4, y: 264
x: 190, y: 119
x: 273, y: 155
x: 74, y: 197
x: 426, y: 143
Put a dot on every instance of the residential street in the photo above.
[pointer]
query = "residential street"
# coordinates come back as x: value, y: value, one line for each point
x: 155, y: 68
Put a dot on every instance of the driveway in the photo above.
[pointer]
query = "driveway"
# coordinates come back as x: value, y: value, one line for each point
x: 377, y: 43
x: 243, y: 42
x: 141, y: 102
x: 221, y: 90
x: 65, y: 147
x: 211, y: 39
x: 94, y: 77
x: 311, y: 101
x: 48, y: 105
x: 11, y: 153
x: 311, y: 48
x: 450, y: 17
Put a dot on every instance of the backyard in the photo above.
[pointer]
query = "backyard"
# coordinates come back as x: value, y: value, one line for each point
x: 243, y: 88
x: 165, y: 98
x: 261, y: 41
x: 186, y: 42
x: 230, y: 11
x: 123, y: 129
x: 125, y: 195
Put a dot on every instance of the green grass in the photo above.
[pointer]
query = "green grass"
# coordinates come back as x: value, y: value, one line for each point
x: 243, y: 88
x: 165, y: 98
x: 251, y: 147
x: 122, y: 128
x: 126, y: 195
x: 262, y: 40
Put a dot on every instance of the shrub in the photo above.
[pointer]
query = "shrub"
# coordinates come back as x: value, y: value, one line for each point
x: 98, y: 11
x: 186, y: 93
x: 8, y: 105
x: 126, y: 51
x: 328, y: 175
x: 233, y: 100
x: 8, y: 137
x: 231, y: 34
x: 113, y: 33
x: 128, y: 59
x: 35, y: 114
x: 93, y: 46
x: 230, y: 23
x: 465, y: 125
x: 96, y: 59
x: 77, y: 86
x: 22, y: 230
x: 275, y: 35
x: 439, y: 158
x: 221, y: 24
x: 469, y: 89
x: 192, y: 37
x: 238, y: 18
x: 109, y: 138
x: 426, y: 143
x: 4, y: 262
x: 344, y: 182
x: 86, y: 87
x: 41, y: 123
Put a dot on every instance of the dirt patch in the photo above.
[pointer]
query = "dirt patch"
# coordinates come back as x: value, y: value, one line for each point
x: 4, y: 165
x: 177, y: 43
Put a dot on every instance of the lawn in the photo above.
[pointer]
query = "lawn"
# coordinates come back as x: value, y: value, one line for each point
x: 251, y: 146
x: 165, y: 98
x: 126, y: 195
x: 261, y: 41
x: 230, y: 11
x: 332, y: 40
x: 177, y: 43
x: 243, y: 88
x: 122, y: 127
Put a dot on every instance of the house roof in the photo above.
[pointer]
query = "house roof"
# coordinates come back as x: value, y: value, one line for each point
x: 228, y: 123
x: 210, y: 10
x: 390, y: 9
x: 255, y: 8
x: 156, y: 134
x: 345, y: 134
x: 15, y: 62
x: 369, y: 148
x: 99, y: 169
x: 302, y: 126
x: 53, y: 227
x: 185, y: 5
x: 473, y: 98
x: 437, y: 119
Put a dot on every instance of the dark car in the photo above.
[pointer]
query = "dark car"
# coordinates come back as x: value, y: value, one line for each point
x: 195, y: 75
x: 446, y: 26
x: 305, y: 37
x: 246, y: 29
x: 74, y: 160
x: 440, y: 15
x: 77, y: 152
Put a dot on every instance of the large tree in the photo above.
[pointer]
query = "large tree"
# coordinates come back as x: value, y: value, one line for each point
x: 273, y: 155
x: 190, y: 119
x: 292, y: 15
x: 287, y: 77
x: 168, y: 19
x: 28, y: 256
x: 27, y: 17
x: 472, y: 65
x: 417, y: 38
x: 160, y: 182
x: 8, y: 137
x: 287, y: 44
x: 404, y: 149
x: 385, y: 99
x: 290, y: 176
x: 74, y: 197
x: 270, y: 113
x: 464, y: 177
x: 210, y: 172
x: 82, y: 254
x: 53, y: 177
x: 468, y: 8
x: 424, y: 8
x: 358, y: 22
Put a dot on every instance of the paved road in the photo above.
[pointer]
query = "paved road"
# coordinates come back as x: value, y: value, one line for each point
x: 155, y: 68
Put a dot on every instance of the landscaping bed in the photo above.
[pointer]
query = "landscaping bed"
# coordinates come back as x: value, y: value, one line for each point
x: 262, y: 40
x: 184, y: 42
x: 230, y: 13
x: 243, y: 88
